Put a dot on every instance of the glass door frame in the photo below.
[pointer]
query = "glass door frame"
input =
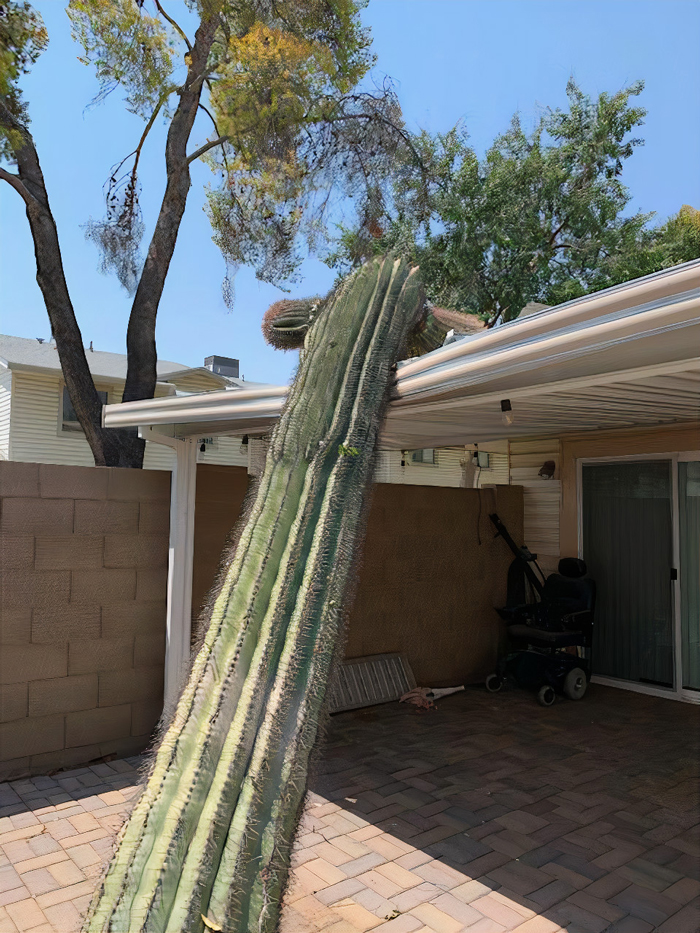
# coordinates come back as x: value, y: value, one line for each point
x: 677, y: 692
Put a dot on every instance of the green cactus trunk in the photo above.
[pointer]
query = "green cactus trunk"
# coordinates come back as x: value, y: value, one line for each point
x: 212, y: 832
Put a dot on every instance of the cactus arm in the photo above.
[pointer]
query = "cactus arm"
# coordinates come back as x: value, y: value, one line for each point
x: 286, y: 322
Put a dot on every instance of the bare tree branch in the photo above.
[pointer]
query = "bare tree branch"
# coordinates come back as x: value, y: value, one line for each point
x: 216, y: 127
x: 16, y: 182
x: 403, y: 134
x: 175, y: 26
x: 146, y: 131
x: 211, y: 117
x: 206, y: 147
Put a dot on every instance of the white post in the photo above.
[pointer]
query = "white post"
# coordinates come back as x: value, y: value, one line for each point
x: 180, y: 559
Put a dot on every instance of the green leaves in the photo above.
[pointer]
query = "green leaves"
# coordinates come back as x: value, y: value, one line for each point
x: 127, y: 47
x: 23, y: 37
x: 641, y: 252
x: 301, y: 139
x: 538, y: 217
x: 294, y: 140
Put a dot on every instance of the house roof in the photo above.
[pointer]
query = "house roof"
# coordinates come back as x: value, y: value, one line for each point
x: 25, y: 353
x: 624, y: 356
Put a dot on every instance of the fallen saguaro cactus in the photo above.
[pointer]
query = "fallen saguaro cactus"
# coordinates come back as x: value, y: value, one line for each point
x: 208, y: 842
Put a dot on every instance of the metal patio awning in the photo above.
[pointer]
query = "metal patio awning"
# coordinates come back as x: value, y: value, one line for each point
x: 625, y: 356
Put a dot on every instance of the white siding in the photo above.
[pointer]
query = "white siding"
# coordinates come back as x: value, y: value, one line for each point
x: 35, y: 435
x: 497, y: 471
x: 158, y: 457
x: 5, y: 399
x: 34, y: 431
x: 542, y: 497
x: 446, y: 471
x: 227, y: 451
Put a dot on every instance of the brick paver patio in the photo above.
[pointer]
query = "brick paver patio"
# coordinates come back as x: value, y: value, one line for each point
x: 489, y: 814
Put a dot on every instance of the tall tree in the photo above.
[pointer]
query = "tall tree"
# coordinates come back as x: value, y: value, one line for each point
x: 291, y: 135
x: 654, y: 248
x: 540, y: 217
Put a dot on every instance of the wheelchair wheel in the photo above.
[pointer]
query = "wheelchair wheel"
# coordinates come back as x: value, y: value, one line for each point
x: 546, y: 695
x: 575, y: 684
x: 493, y: 683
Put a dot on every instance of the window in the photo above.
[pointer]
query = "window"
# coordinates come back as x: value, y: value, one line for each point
x: 427, y: 455
x: 69, y: 419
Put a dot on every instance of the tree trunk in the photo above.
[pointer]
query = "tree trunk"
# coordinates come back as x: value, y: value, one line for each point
x: 212, y: 832
x: 113, y: 447
x: 109, y: 447
x: 141, y: 331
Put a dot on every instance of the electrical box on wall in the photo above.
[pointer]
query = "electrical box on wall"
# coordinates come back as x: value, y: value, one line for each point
x: 480, y: 458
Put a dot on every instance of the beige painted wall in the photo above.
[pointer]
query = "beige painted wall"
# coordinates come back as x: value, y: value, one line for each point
x: 83, y: 558
x: 662, y: 439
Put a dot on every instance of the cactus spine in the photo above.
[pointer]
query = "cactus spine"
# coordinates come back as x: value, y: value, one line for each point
x: 212, y: 831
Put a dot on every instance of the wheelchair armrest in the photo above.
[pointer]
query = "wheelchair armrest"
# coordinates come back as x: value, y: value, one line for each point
x: 581, y: 619
x: 517, y: 615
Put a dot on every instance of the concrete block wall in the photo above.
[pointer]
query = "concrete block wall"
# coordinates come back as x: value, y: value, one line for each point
x: 83, y: 565
x: 431, y: 575
x: 429, y: 578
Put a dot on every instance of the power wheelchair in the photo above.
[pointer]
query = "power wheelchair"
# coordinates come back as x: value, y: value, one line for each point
x: 550, y: 634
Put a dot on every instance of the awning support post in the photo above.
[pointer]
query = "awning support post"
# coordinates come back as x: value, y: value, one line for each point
x: 180, y: 559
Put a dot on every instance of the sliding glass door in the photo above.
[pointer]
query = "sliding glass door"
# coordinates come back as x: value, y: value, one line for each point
x: 627, y: 528
x: 689, y: 535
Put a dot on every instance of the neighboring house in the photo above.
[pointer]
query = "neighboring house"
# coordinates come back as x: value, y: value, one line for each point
x: 596, y: 404
x: 38, y: 423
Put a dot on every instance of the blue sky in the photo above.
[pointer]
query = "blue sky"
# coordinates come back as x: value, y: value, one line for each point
x: 473, y: 60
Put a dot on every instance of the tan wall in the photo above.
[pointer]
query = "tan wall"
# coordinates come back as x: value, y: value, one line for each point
x: 83, y: 557
x: 427, y: 587
x: 220, y: 494
x: 662, y: 439
x: 83, y: 554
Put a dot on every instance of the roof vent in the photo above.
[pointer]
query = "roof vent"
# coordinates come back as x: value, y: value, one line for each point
x: 222, y: 365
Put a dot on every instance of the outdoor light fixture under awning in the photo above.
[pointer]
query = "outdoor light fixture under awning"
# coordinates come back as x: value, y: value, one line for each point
x: 507, y: 414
